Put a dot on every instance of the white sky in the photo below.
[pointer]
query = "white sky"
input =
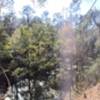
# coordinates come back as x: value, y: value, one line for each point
x: 52, y: 6
x: 86, y: 4
x: 19, y: 5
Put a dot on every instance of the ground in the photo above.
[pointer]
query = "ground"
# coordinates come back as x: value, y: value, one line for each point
x: 90, y: 94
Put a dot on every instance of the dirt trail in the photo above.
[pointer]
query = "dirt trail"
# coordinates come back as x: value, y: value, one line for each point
x: 90, y: 94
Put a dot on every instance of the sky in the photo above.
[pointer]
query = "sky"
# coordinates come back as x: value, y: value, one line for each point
x: 86, y: 4
x: 52, y: 6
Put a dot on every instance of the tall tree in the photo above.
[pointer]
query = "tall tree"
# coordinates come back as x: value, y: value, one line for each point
x: 35, y: 58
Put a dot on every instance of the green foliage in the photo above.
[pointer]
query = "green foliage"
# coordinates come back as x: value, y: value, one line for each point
x: 32, y: 52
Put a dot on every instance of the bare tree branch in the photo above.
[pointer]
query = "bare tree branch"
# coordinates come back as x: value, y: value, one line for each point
x: 89, y: 10
x: 8, y: 81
